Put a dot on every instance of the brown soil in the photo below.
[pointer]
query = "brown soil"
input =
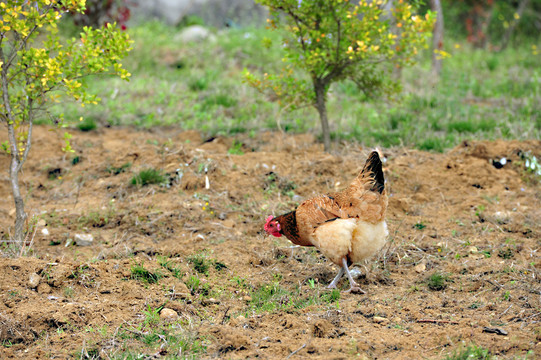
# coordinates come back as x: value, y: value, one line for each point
x: 454, y: 214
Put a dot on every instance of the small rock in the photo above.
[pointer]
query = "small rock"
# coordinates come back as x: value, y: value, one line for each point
x: 222, y: 216
x: 497, y: 331
x: 210, y: 301
x: 473, y: 250
x: 502, y: 217
x: 168, y: 314
x: 84, y: 239
x: 45, y: 231
x: 421, y: 267
x: 34, y: 280
x: 380, y: 320
x: 44, y: 288
x: 229, y: 223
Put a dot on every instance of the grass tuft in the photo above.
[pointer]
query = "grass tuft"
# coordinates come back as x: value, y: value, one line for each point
x: 437, y: 281
x: 148, y: 177
x: 470, y: 353
x: 138, y: 272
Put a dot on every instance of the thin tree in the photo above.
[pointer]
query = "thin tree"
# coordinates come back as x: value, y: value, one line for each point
x: 334, y: 40
x: 437, y: 37
x: 33, y: 73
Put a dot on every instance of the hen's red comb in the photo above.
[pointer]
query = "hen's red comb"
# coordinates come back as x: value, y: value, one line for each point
x: 269, y: 218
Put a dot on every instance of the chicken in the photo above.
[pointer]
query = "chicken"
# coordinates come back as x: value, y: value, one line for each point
x: 347, y: 226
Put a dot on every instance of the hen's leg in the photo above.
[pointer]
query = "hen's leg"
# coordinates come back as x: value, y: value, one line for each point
x: 354, y: 287
x: 333, y: 283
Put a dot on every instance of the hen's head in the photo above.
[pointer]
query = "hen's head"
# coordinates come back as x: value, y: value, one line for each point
x: 272, y: 227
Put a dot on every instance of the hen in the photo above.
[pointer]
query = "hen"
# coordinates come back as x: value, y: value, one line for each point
x: 347, y: 226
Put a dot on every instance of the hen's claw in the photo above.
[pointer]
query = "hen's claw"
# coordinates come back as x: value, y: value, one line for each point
x: 354, y: 290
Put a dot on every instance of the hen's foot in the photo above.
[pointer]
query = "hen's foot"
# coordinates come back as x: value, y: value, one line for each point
x: 354, y: 290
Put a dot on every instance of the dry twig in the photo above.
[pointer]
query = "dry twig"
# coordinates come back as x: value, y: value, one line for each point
x: 434, y: 321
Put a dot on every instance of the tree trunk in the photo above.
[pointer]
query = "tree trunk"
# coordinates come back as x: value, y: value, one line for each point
x: 20, y: 214
x: 16, y: 159
x: 437, y: 37
x: 507, y: 35
x: 321, y: 106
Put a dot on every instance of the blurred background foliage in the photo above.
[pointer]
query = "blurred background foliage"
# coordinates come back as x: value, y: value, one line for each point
x: 489, y: 85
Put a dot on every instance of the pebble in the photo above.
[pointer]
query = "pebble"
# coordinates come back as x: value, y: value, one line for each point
x: 84, y: 239
x: 421, y: 267
x: 34, y: 280
x: 380, y: 320
x: 168, y: 314
x: 210, y: 301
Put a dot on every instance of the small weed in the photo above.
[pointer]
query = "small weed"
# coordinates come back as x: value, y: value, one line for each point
x: 96, y: 219
x: 138, y: 272
x: 240, y: 282
x: 486, y: 253
x: 506, y: 253
x: 272, y: 296
x: 197, y: 286
x: 470, y: 353
x: 419, y: 226
x: 147, y: 177
x: 167, y: 264
x: 219, y: 265
x: 274, y: 181
x: 506, y: 296
x: 479, y: 212
x: 236, y: 148
x: 476, y: 305
x: 437, y: 281
x: 200, y: 263
x: 152, y: 316
x: 113, y: 170
x: 68, y: 292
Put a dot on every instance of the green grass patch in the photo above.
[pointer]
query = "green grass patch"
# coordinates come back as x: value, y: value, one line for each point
x: 202, y: 263
x: 437, y: 281
x: 147, y: 177
x: 138, y: 272
x: 480, y: 94
x: 272, y: 296
x: 472, y: 352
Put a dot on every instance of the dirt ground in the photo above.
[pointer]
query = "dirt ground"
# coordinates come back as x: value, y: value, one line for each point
x: 453, y: 215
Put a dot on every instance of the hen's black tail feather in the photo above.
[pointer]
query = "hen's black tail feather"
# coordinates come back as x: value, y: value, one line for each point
x: 374, y: 168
